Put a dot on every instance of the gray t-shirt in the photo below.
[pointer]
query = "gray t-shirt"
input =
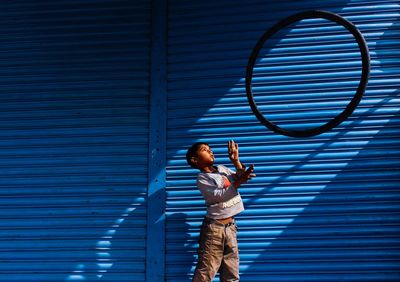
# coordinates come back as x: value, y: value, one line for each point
x: 222, y: 199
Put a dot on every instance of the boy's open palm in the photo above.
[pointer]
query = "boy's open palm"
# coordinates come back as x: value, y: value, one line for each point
x: 233, y: 151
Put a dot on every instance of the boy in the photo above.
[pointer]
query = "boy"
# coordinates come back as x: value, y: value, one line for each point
x: 218, y: 249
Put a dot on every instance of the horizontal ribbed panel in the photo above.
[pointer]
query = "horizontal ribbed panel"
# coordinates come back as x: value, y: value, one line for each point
x: 73, y: 140
x: 324, y: 208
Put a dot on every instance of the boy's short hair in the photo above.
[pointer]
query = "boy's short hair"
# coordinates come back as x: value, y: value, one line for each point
x: 192, y: 152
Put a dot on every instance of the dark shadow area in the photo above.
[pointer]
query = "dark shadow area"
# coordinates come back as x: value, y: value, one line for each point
x: 73, y: 138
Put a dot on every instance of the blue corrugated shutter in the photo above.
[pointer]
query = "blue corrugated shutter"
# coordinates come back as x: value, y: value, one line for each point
x: 324, y: 208
x: 74, y: 136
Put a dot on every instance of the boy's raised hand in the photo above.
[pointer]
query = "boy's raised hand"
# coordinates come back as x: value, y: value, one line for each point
x: 233, y: 151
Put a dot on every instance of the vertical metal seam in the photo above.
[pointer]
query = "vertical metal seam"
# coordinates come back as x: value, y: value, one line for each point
x: 155, y: 245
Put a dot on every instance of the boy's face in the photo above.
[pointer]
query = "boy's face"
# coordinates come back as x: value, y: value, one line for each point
x: 205, y: 157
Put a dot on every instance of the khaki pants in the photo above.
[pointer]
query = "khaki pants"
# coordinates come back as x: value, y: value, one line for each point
x: 218, y: 252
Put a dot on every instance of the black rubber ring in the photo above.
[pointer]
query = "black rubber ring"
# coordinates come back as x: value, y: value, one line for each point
x: 360, y: 89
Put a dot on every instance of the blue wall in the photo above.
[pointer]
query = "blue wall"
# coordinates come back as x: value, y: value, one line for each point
x: 101, y: 99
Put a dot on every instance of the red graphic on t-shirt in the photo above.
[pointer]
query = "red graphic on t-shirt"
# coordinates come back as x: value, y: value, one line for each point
x: 227, y: 183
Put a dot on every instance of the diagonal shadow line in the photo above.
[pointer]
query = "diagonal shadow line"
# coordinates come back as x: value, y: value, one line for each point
x: 325, y: 146
x: 309, y: 158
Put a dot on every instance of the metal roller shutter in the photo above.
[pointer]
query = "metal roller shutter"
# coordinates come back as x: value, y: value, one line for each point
x: 324, y: 208
x: 74, y: 138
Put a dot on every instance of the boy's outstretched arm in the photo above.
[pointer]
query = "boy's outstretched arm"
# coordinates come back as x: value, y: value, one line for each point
x: 244, y: 177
